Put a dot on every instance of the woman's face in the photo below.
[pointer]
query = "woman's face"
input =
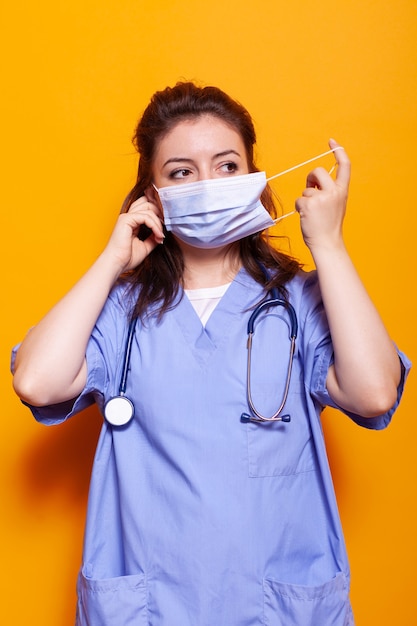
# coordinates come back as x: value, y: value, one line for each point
x: 199, y: 149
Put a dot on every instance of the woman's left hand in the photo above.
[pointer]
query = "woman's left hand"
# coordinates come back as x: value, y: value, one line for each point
x: 322, y: 205
x: 366, y: 370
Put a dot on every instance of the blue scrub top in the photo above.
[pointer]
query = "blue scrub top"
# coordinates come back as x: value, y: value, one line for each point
x: 196, y: 518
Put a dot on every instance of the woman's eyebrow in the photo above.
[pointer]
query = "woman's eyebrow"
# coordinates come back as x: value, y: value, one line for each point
x: 188, y: 160
x: 178, y: 160
x: 225, y: 153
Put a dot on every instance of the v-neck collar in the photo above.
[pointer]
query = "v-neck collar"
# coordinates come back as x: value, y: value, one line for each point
x: 241, y: 295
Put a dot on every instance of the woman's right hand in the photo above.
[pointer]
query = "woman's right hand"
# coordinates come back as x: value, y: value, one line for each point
x: 124, y: 245
x: 50, y: 364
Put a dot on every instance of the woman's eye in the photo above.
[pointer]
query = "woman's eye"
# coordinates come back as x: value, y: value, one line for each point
x: 229, y: 168
x: 180, y: 173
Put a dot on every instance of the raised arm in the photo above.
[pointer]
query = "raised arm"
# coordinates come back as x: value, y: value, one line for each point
x: 366, y: 370
x: 50, y: 363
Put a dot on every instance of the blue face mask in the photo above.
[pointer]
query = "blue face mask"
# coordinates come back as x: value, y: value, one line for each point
x: 218, y: 211
x: 215, y: 212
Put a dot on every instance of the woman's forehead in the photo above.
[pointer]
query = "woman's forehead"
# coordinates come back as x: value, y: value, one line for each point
x: 197, y: 136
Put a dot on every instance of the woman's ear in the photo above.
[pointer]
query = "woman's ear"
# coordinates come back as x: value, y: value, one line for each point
x: 151, y: 195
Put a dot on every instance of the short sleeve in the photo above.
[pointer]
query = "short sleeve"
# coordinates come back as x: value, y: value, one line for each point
x: 317, y: 351
x: 319, y: 391
x: 103, y: 358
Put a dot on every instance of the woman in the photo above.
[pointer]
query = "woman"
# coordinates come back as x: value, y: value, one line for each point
x: 198, y: 513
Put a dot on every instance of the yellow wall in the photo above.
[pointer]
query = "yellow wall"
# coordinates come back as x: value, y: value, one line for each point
x: 77, y: 74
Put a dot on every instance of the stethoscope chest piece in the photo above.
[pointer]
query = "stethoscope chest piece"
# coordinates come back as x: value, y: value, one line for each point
x: 118, y: 411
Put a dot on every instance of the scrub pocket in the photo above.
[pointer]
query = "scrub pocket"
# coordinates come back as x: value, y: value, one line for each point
x: 112, y: 601
x: 279, y: 448
x: 297, y: 605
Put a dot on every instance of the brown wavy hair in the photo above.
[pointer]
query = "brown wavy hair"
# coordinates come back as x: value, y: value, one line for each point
x: 160, y: 275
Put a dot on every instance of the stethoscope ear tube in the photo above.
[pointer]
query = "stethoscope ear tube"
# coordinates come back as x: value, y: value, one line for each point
x: 256, y: 415
x: 275, y: 302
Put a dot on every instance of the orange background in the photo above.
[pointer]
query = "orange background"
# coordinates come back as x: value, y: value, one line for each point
x: 76, y: 76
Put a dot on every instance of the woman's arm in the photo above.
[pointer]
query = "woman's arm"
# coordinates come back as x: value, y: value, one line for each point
x: 366, y: 370
x: 50, y: 363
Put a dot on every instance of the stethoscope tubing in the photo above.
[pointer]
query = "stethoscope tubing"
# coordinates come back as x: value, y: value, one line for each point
x: 126, y: 359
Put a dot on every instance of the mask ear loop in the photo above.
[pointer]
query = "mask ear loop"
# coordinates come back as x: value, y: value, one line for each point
x: 332, y: 169
x: 295, y: 167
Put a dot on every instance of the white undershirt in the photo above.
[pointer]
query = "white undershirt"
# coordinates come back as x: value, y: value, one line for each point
x: 205, y: 300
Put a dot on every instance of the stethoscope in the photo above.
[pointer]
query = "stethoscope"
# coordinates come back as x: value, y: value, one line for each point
x: 119, y: 410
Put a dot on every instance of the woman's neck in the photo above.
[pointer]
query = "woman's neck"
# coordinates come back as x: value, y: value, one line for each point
x: 209, y: 268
